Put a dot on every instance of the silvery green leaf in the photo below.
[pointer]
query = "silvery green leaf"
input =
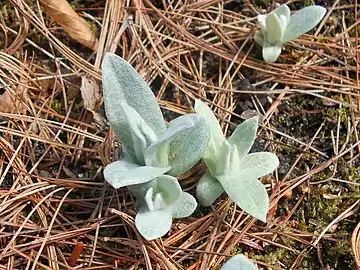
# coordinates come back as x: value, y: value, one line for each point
x: 142, y: 135
x: 229, y: 161
x: 153, y: 224
x: 149, y: 199
x: 259, y: 164
x: 303, y: 21
x: 283, y: 12
x: 184, y: 206
x: 121, y: 82
x: 122, y: 173
x: 244, y: 136
x: 187, y: 148
x: 247, y: 192
x: 159, y: 202
x: 208, y: 189
x: 169, y: 187
x: 217, y: 135
x: 274, y: 29
x: 239, y: 262
x: 270, y: 52
x: 158, y: 153
x: 259, y: 38
x: 262, y: 22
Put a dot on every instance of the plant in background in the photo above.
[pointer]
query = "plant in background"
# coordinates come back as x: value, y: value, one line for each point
x: 232, y: 169
x: 239, y: 262
x: 278, y: 27
x: 151, y: 149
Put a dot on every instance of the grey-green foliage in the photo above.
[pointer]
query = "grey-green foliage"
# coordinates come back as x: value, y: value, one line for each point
x: 232, y: 169
x: 239, y: 262
x: 278, y: 27
x: 151, y: 148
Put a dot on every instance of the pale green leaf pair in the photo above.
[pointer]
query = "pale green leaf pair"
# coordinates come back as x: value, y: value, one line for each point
x: 278, y: 27
x: 239, y: 262
x: 151, y: 149
x: 160, y: 201
x: 232, y: 169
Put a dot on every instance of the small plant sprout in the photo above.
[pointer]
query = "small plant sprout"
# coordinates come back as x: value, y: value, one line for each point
x: 232, y: 169
x: 151, y: 148
x: 239, y: 262
x: 278, y: 27
x: 159, y: 201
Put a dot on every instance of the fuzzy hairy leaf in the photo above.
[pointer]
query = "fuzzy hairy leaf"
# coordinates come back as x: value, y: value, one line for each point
x: 123, y: 173
x: 158, y: 153
x: 271, y: 52
x: 187, y: 148
x: 217, y: 135
x: 274, y: 28
x: 141, y: 134
x: 239, y: 262
x: 184, y: 206
x: 153, y: 224
x: 259, y: 164
x: 283, y: 12
x: 244, y: 136
x: 303, y: 21
x: 259, y: 38
x: 122, y: 83
x: 169, y: 187
x: 247, y: 192
x: 208, y: 189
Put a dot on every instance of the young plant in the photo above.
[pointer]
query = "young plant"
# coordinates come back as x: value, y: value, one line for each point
x: 232, y: 169
x: 239, y: 262
x: 151, y: 149
x: 278, y: 27
x: 159, y: 201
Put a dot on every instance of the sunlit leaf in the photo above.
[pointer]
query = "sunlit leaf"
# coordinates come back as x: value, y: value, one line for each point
x: 259, y: 164
x: 122, y: 83
x: 184, y: 206
x: 122, y: 173
x: 244, y: 136
x: 303, y: 21
x: 247, y: 192
x: 187, y: 148
x: 153, y: 224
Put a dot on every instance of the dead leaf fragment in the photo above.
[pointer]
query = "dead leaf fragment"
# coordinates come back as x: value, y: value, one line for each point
x: 90, y: 93
x: 10, y: 103
x: 62, y: 13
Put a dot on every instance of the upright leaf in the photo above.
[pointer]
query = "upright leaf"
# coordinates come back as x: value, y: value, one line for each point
x: 122, y: 83
x: 303, y: 21
x: 217, y: 135
x: 274, y: 28
x: 142, y: 135
x: 158, y: 153
x: 187, y: 148
x: 244, y: 136
x: 169, y: 187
